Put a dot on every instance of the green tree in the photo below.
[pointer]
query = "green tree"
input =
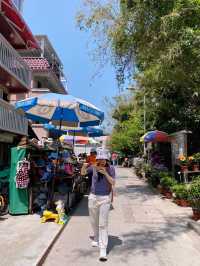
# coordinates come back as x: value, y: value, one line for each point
x: 156, y: 43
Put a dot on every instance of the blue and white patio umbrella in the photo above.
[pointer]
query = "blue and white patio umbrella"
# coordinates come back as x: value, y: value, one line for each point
x: 79, y: 131
x: 65, y: 110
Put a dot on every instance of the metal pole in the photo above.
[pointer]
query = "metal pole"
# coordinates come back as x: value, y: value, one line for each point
x: 144, y: 102
x: 144, y: 113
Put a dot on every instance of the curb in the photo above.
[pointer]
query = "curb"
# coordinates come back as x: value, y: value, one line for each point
x: 194, y: 226
x: 43, y: 257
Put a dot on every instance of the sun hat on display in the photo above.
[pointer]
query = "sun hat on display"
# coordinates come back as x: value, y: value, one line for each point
x: 102, y: 155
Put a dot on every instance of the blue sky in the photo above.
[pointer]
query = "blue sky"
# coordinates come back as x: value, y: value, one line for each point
x: 57, y: 20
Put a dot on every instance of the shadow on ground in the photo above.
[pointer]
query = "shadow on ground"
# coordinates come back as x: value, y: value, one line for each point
x: 140, y: 241
x: 152, y: 237
x: 113, y: 242
x: 82, y: 208
x: 3, y: 219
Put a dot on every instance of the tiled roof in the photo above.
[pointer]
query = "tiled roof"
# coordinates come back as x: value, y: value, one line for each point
x: 37, y: 63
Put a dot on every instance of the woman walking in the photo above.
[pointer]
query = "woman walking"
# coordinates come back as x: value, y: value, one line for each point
x: 99, y: 201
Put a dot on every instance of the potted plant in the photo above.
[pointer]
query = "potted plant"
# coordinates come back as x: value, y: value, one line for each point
x: 167, y: 182
x: 191, y: 163
x: 180, y: 192
x: 147, y: 168
x: 196, y: 160
x: 183, y: 160
x: 194, y: 198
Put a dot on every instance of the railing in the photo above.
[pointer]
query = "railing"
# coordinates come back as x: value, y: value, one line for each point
x: 13, y: 63
x: 11, y: 120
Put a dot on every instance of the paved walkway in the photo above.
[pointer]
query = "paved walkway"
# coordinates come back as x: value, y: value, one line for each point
x: 24, y: 239
x: 144, y: 230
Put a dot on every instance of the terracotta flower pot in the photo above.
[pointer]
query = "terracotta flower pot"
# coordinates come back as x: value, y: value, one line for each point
x: 185, y: 203
x: 184, y: 168
x: 195, y: 167
x: 178, y: 202
x: 196, y: 214
x: 182, y: 202
x: 168, y: 194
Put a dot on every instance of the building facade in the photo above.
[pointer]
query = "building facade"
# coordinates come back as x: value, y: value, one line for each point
x: 47, y: 75
x: 18, y: 4
x: 15, y: 76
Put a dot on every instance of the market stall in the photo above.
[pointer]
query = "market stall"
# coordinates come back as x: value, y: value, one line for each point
x: 34, y: 170
x: 158, y: 149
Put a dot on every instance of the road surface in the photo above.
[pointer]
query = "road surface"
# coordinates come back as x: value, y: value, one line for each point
x: 145, y: 229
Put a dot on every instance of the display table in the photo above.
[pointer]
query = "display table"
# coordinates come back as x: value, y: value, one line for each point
x: 186, y: 173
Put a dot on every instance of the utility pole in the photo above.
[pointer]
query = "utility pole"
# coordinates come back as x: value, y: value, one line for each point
x: 144, y: 114
x: 144, y: 101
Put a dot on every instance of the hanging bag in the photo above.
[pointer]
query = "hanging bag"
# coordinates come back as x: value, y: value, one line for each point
x: 22, y: 175
x: 69, y: 169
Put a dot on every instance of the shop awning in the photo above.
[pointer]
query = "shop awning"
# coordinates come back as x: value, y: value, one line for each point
x: 16, y: 21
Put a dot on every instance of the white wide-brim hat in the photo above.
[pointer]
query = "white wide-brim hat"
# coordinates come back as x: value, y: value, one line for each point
x: 102, y: 155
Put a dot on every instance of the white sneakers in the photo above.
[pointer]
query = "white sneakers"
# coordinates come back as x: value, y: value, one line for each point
x: 95, y: 244
x: 103, y: 254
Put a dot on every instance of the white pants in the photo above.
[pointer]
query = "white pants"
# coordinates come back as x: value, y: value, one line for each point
x: 99, y: 207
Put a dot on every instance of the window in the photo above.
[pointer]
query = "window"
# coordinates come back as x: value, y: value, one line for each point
x: 5, y: 96
x: 39, y: 84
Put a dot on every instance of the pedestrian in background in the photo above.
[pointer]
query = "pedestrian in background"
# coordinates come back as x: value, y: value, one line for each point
x: 114, y: 159
x: 99, y: 201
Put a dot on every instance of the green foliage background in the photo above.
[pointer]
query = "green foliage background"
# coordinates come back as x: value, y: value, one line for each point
x: 156, y: 43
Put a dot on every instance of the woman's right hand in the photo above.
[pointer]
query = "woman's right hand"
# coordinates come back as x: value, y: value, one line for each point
x: 84, y: 169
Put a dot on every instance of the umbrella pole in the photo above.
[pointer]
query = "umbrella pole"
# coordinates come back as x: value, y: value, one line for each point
x: 57, y: 160
x: 73, y: 139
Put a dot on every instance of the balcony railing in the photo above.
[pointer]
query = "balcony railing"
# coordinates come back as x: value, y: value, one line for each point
x: 11, y: 120
x: 14, y: 65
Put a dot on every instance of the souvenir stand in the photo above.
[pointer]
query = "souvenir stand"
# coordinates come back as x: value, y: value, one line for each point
x: 69, y: 185
x: 35, y: 185
x: 25, y: 178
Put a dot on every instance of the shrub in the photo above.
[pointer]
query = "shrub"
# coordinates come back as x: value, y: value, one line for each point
x: 194, y: 194
x: 167, y: 182
x: 196, y: 157
x: 147, y: 168
x: 156, y: 176
x: 181, y: 191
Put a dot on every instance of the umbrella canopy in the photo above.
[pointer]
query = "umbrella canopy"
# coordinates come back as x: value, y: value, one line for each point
x: 86, y: 131
x: 155, y: 136
x: 75, y: 140
x: 60, y: 109
x: 79, y: 131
